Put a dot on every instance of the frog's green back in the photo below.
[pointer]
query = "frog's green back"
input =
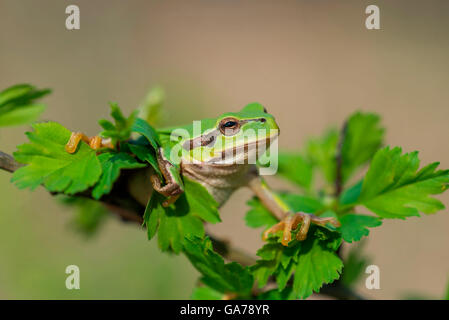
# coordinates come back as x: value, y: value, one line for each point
x: 250, y: 111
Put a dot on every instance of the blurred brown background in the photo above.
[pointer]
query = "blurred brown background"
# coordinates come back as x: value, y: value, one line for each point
x: 310, y: 63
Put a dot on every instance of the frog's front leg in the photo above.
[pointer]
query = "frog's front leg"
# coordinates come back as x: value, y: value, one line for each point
x: 95, y: 142
x: 288, y: 221
x: 174, y: 186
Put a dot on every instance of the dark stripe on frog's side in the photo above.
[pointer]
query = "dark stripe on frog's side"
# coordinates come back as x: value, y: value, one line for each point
x: 210, y: 138
x: 201, y: 141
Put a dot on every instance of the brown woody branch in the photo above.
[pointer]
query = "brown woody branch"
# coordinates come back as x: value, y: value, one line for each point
x: 120, y: 202
x: 8, y: 163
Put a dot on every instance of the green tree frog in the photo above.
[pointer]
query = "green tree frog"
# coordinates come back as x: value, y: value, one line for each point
x: 221, y: 155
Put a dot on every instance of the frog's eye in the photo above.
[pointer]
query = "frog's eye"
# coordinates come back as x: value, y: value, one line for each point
x: 229, y: 126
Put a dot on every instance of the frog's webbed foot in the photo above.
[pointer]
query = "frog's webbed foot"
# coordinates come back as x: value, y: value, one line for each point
x: 171, y: 190
x: 93, y: 142
x: 291, y: 222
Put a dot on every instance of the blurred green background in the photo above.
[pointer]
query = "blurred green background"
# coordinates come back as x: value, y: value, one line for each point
x: 310, y: 63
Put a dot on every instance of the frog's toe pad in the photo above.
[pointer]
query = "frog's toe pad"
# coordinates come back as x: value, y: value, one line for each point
x: 94, y: 143
x: 291, y: 222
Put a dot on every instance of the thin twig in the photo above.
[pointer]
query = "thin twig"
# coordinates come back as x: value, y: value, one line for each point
x: 8, y: 163
x: 225, y: 249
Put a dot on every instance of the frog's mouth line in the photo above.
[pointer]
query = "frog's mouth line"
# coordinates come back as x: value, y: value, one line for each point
x: 241, y: 152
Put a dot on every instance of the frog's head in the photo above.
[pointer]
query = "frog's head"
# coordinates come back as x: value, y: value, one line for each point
x: 234, y: 137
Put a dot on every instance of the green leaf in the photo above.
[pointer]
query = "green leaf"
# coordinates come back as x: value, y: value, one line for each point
x: 21, y: 115
x: 150, y: 109
x: 321, y: 152
x: 363, y: 137
x: 299, y: 203
x: 314, y: 257
x: 225, y: 278
x: 206, y: 293
x: 394, y: 187
x: 351, y: 195
x: 17, y: 104
x: 49, y: 164
x: 284, y: 274
x: 258, y: 216
x: 181, y: 219
x: 143, y: 127
x: 293, y: 167
x: 111, y: 164
x: 286, y: 294
x: 172, y: 223
x: 201, y: 203
x: 355, y: 226
x: 21, y: 94
x: 121, y: 130
x: 173, y: 229
x: 263, y: 270
x: 152, y: 214
x: 147, y: 154
x: 316, y: 266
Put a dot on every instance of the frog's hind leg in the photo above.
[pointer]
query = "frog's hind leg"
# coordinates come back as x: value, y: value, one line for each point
x: 95, y: 142
x: 288, y: 221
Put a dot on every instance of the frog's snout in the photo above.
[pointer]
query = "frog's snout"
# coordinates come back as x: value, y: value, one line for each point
x: 273, y: 125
